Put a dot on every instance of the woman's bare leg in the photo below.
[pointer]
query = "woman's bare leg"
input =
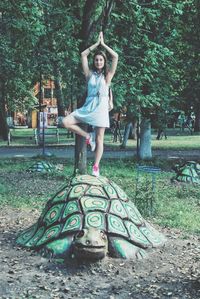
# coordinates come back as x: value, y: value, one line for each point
x: 99, y: 145
x: 70, y: 122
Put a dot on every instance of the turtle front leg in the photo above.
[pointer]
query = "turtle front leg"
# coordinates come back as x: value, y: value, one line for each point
x: 120, y: 248
x: 47, y: 253
x: 60, y: 248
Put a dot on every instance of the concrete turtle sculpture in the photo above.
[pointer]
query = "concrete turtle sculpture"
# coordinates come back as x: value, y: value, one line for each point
x: 42, y: 167
x: 88, y: 219
x: 188, y: 172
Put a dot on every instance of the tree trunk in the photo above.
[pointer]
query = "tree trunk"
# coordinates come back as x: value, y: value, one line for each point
x: 58, y: 91
x: 89, y: 25
x: 134, y: 132
x: 3, y: 122
x: 81, y: 154
x: 197, y: 120
x: 80, y: 165
x: 145, y: 139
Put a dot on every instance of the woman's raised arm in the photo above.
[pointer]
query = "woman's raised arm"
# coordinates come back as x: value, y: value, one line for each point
x: 114, y: 56
x: 84, y: 58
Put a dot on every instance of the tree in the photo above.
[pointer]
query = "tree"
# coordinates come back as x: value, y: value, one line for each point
x: 20, y: 28
x: 95, y: 18
x: 145, y: 139
x: 189, y: 62
x: 147, y: 68
x: 158, y: 54
x: 61, y: 45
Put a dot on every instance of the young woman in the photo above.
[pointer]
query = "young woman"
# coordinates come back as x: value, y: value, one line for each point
x: 95, y: 110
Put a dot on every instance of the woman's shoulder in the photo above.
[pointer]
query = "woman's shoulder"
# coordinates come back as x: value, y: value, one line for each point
x: 90, y: 73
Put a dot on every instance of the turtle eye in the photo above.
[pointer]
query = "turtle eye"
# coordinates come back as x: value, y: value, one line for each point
x: 103, y: 235
x: 80, y: 234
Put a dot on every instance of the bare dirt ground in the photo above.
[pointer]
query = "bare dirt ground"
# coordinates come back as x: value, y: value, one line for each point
x: 169, y: 272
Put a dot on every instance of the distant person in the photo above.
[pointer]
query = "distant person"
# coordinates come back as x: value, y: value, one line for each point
x: 115, y: 127
x: 95, y: 111
x: 189, y: 123
x: 182, y: 121
x: 161, y: 132
x: 162, y: 119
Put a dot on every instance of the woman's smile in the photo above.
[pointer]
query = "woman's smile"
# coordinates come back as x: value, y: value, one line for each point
x: 99, y: 62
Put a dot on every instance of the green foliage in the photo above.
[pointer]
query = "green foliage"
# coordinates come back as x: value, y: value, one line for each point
x: 3, y: 189
x: 157, y: 43
x: 21, y: 27
x: 188, y: 55
x: 153, y: 39
x: 147, y: 63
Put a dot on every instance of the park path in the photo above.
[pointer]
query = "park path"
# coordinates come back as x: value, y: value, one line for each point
x: 68, y: 152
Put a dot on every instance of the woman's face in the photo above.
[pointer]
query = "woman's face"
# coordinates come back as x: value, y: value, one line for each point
x: 99, y: 62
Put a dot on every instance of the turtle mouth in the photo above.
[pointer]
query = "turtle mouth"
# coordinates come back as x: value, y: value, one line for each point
x: 89, y: 252
x: 81, y: 246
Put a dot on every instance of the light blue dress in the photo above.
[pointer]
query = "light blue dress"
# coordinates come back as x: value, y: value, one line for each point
x: 95, y: 110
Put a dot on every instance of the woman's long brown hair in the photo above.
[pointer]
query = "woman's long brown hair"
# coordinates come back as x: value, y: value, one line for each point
x: 105, y: 68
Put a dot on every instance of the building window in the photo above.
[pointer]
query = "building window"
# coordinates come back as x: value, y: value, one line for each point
x: 47, y: 93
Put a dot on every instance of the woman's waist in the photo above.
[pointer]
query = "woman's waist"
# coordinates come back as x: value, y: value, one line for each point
x: 98, y: 94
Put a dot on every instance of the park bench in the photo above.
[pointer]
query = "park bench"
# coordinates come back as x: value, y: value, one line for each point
x: 18, y: 133
x: 65, y: 132
x: 49, y: 133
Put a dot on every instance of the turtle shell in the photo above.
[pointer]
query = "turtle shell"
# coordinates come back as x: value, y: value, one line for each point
x: 188, y: 172
x: 42, y: 166
x: 87, y: 202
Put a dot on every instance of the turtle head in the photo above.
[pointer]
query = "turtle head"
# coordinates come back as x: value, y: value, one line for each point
x: 90, y: 244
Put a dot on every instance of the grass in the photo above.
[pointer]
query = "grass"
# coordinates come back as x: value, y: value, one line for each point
x: 177, y: 140
x: 175, y: 206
